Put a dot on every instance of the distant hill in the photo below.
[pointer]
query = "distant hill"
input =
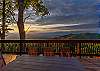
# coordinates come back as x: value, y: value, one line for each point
x: 55, y: 35
x: 80, y: 36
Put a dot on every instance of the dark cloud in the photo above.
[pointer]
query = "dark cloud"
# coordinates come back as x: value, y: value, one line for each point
x: 70, y: 12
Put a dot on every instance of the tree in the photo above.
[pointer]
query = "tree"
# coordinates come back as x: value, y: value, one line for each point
x: 6, y: 18
x: 3, y: 20
x: 20, y: 22
x: 7, y: 15
x: 38, y: 7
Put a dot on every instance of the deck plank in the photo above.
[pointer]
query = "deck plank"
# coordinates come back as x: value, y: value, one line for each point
x: 43, y: 63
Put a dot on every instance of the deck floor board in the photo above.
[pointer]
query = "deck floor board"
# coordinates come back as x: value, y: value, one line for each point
x: 44, y: 63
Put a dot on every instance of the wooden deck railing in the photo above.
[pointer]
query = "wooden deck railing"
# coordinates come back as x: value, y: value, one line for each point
x: 52, y: 47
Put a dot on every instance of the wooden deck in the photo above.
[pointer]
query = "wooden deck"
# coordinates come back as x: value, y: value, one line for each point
x: 91, y: 64
x: 44, y: 63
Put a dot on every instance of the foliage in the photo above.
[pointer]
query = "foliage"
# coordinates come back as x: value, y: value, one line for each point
x: 9, y: 12
x: 12, y: 5
x: 37, y: 5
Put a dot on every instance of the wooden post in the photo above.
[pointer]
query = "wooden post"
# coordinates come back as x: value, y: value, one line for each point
x: 79, y: 50
x: 20, y: 45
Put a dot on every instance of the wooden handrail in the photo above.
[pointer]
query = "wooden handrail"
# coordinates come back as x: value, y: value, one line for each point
x: 52, y: 41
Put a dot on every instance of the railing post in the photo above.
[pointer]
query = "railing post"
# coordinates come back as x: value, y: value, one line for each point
x: 2, y: 47
x: 20, y: 47
x: 79, y: 49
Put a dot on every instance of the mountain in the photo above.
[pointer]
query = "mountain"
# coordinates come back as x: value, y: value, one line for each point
x: 45, y: 35
x: 37, y: 35
x: 56, y: 35
x: 80, y: 36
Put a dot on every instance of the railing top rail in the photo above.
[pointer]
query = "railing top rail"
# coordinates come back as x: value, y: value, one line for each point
x: 52, y: 41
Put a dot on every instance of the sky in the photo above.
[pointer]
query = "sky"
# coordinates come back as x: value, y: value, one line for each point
x: 66, y: 16
x: 66, y: 12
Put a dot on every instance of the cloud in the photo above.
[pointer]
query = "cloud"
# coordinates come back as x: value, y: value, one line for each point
x: 69, y: 9
x: 70, y: 12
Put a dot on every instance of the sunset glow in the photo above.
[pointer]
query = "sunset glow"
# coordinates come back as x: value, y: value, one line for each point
x: 41, y: 28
